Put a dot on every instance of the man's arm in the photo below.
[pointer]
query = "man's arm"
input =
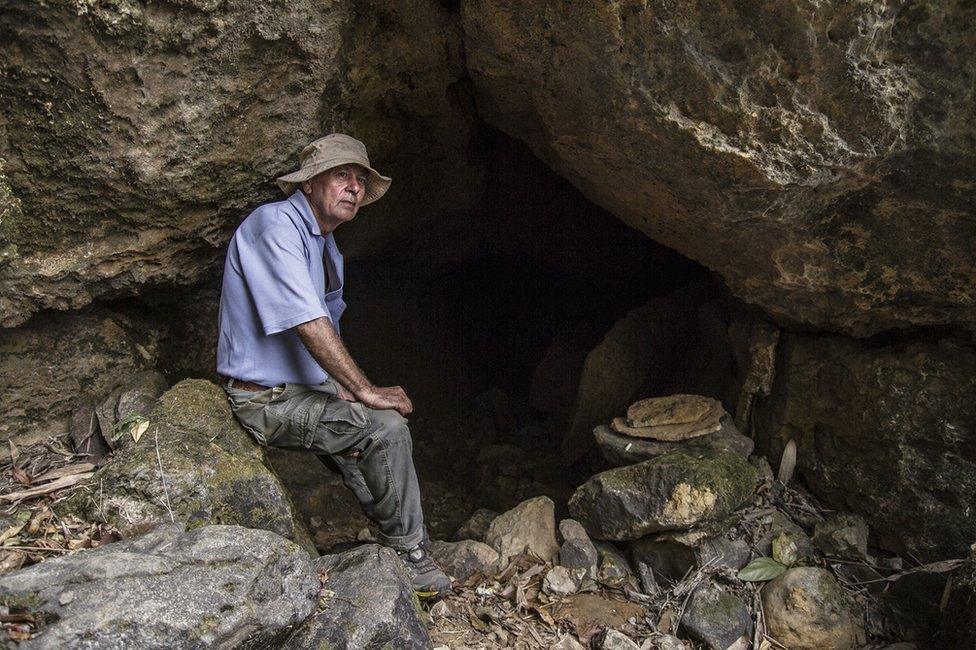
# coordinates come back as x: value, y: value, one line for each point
x: 330, y: 352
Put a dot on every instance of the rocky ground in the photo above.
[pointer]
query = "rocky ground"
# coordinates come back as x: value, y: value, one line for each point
x: 687, y: 541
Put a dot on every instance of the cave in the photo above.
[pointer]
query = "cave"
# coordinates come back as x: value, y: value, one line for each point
x: 766, y: 209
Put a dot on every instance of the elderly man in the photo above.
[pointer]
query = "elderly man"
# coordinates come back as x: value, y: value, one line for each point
x: 290, y: 380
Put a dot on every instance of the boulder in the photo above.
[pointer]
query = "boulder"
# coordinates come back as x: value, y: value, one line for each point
x: 194, y: 464
x: 676, y: 490
x: 115, y: 195
x: 531, y: 526
x: 883, y: 430
x: 671, y: 555
x: 716, y: 618
x: 94, y: 350
x: 826, y: 150
x: 463, y: 559
x: 211, y: 587
x: 366, y: 602
x: 842, y: 535
x: 620, y: 449
x: 806, y: 609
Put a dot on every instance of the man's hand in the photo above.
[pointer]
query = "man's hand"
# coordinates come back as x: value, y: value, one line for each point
x: 388, y: 397
x: 344, y: 394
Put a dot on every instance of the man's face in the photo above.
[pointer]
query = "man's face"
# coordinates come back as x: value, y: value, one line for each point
x: 335, y: 195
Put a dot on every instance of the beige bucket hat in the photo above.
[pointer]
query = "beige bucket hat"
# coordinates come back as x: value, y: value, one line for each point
x: 331, y: 151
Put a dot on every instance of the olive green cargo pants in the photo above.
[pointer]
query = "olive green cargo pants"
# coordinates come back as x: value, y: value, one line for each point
x: 372, y: 449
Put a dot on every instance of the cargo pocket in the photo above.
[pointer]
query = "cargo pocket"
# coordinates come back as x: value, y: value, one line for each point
x: 342, y: 417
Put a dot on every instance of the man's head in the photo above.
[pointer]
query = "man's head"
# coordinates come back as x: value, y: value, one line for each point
x: 334, y: 170
x: 336, y: 194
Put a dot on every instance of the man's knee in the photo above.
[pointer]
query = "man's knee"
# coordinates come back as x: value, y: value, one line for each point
x: 389, y: 425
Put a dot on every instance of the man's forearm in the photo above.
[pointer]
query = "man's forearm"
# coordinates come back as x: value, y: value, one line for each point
x: 323, y: 342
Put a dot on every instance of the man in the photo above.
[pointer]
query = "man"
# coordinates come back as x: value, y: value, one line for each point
x: 290, y: 380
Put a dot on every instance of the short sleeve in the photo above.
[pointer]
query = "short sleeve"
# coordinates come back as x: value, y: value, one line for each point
x: 275, y: 269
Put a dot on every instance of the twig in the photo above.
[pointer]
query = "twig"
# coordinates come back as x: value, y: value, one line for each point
x: 162, y: 478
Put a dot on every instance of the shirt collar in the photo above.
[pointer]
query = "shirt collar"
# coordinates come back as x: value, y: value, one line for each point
x: 298, y: 200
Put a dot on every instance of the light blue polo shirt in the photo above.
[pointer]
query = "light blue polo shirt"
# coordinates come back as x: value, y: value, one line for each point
x: 276, y: 276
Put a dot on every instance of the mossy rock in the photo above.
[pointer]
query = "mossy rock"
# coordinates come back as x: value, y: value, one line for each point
x: 214, y: 473
x: 674, y: 491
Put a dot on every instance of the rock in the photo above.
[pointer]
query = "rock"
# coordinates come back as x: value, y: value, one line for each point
x: 211, y: 472
x: 671, y: 555
x: 86, y: 436
x: 561, y: 581
x: 778, y: 524
x: 366, y: 602
x: 214, y: 586
x: 577, y: 551
x: 530, y: 525
x: 620, y: 449
x: 806, y: 609
x: 614, y: 640
x: 883, y: 431
x: 671, y: 418
x: 93, y: 349
x: 673, y: 491
x: 154, y: 208
x: 568, y: 642
x: 613, y: 569
x: 716, y: 618
x: 664, y: 642
x: 476, y: 527
x: 959, y: 610
x: 709, y: 128
x: 463, y: 559
x: 842, y: 535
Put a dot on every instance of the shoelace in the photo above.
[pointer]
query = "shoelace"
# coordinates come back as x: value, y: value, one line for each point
x: 420, y: 560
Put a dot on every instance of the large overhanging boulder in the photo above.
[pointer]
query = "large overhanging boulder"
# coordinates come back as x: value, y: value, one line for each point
x: 135, y: 136
x: 819, y: 156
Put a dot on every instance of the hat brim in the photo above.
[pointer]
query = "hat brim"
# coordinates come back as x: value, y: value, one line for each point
x: 376, y: 185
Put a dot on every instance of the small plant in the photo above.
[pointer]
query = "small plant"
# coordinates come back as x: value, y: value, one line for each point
x: 134, y: 424
x: 785, y: 555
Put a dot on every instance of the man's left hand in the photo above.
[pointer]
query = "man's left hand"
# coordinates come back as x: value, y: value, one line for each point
x: 344, y: 394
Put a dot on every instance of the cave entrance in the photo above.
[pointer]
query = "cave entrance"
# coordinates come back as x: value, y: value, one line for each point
x: 491, y: 343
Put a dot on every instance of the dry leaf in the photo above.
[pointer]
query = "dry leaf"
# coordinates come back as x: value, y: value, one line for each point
x: 20, y: 475
x: 10, y: 532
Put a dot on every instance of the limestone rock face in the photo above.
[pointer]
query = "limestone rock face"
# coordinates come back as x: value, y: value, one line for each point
x: 212, y: 587
x: 366, y: 602
x: 58, y: 361
x: 674, y: 491
x: 818, y: 157
x: 884, y: 431
x: 193, y: 464
x: 133, y: 138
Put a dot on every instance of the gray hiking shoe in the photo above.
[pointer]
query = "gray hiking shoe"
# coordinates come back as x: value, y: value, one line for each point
x: 426, y: 577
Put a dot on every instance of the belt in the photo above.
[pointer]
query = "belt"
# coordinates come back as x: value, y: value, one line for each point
x: 244, y: 385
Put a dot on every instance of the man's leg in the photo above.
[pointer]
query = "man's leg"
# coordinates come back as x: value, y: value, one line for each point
x: 368, y: 443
